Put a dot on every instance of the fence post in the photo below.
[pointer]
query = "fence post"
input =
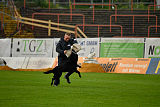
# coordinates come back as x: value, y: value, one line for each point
x: 115, y: 13
x: 49, y: 29
x: 71, y: 12
x: 121, y: 31
x: 17, y: 24
x: 24, y: 3
x: 83, y: 22
x: 74, y: 3
x: 131, y: 5
x: 148, y: 31
x: 110, y: 23
x: 156, y: 24
x: 93, y: 13
x: 109, y: 5
x: 32, y: 21
x: 148, y: 13
x: 49, y: 5
x: 98, y: 31
x: 154, y: 5
x: 133, y: 24
x: 58, y: 22
x: 76, y: 31
x: 2, y: 21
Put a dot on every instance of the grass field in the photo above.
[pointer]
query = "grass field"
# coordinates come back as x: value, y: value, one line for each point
x: 32, y: 89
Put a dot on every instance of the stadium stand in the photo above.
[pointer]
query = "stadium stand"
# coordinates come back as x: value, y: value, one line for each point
x: 136, y: 26
x: 102, y: 17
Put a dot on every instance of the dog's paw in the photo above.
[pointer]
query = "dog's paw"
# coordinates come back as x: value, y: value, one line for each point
x: 79, y: 75
x: 51, y: 83
x: 67, y: 78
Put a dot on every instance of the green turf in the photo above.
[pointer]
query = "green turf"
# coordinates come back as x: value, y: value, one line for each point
x: 32, y: 89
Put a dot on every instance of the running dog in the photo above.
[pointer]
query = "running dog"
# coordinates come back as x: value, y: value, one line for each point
x: 69, y: 66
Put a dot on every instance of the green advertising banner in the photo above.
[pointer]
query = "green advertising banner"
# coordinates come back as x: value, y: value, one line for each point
x: 122, y: 47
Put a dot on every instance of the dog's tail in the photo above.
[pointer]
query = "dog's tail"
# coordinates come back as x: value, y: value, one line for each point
x: 48, y: 72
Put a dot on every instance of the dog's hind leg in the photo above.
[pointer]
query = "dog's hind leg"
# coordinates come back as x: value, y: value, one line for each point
x: 52, y: 80
x: 67, y: 76
x: 57, y: 76
x: 78, y: 73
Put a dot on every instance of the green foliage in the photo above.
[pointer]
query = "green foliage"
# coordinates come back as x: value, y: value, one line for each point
x: 32, y: 89
x: 142, y: 6
x: 122, y: 6
x: 42, y: 3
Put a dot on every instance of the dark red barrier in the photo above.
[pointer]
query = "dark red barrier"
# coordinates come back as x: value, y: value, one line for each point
x: 149, y: 29
x: 58, y: 14
x: 2, y: 21
x: 133, y: 19
x: 94, y: 7
x: 98, y: 27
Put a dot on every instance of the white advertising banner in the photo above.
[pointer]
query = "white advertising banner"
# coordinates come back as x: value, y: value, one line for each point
x: 88, y: 45
x: 152, y: 48
x: 5, y: 47
x: 15, y: 62
x: 55, y: 54
x: 40, y: 63
x: 32, y: 47
x: 29, y: 62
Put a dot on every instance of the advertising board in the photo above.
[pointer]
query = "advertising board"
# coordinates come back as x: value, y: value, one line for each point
x: 152, y: 48
x: 5, y: 47
x: 122, y: 47
x: 88, y: 45
x: 119, y: 65
x: 32, y: 47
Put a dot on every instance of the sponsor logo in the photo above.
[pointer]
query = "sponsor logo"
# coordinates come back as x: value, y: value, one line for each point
x: 158, y: 67
x: 33, y: 45
x: 109, y: 67
x: 154, y: 50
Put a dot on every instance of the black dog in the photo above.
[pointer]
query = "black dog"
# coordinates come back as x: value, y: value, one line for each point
x: 69, y: 66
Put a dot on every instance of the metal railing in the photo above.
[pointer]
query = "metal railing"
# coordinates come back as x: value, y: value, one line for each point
x: 60, y: 14
x: 94, y: 7
x: 149, y: 9
x: 35, y: 22
x: 94, y: 25
x: 149, y: 29
x: 68, y: 2
x: 30, y: 21
x: 133, y: 19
